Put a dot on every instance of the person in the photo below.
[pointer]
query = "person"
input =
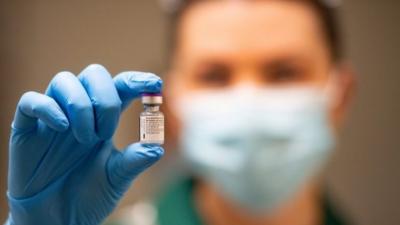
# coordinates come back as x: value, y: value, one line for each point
x: 256, y: 93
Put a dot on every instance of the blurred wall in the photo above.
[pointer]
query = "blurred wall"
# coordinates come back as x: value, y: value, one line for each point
x: 38, y: 38
x: 365, y: 173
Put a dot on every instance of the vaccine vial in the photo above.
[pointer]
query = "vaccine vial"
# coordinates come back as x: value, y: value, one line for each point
x: 151, y: 119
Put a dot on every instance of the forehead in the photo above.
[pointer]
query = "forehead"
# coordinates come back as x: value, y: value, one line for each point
x: 274, y: 25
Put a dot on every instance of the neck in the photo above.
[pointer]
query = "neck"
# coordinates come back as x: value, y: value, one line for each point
x: 301, y: 209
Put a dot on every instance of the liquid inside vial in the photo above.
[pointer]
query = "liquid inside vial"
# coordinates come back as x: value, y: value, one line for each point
x: 152, y: 120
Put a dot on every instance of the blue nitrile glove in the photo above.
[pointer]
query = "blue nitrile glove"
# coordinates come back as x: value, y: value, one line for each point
x: 63, y: 167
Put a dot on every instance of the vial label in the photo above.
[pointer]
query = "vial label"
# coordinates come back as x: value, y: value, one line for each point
x: 152, y: 129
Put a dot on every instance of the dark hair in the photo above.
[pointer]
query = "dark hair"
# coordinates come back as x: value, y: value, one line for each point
x: 325, y: 11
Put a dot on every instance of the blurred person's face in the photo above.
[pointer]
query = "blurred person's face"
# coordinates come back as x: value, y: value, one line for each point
x: 243, y: 45
x: 225, y: 44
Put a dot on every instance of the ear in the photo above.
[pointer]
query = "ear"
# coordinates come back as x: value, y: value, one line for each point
x: 346, y: 83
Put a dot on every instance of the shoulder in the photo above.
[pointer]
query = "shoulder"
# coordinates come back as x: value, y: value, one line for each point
x: 174, y: 205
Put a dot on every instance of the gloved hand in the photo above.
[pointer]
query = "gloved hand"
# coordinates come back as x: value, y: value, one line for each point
x: 63, y: 167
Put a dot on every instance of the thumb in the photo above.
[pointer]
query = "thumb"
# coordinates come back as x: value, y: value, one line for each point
x: 123, y: 167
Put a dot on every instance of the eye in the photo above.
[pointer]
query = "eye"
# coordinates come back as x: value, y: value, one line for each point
x: 213, y: 76
x: 281, y: 73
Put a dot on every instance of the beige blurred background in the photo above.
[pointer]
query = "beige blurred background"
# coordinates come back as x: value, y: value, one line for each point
x: 38, y: 38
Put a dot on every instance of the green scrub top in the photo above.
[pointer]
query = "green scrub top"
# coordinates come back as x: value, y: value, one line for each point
x: 176, y: 206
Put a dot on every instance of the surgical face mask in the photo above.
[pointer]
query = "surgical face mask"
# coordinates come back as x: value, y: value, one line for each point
x: 256, y: 146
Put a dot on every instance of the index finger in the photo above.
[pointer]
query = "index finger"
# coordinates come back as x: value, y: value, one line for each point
x: 131, y: 84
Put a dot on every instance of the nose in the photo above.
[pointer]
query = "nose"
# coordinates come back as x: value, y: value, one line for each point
x: 248, y: 78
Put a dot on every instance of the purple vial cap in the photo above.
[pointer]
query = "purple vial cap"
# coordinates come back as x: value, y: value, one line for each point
x: 151, y: 94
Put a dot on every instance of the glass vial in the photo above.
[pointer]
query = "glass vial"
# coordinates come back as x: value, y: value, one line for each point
x: 151, y: 119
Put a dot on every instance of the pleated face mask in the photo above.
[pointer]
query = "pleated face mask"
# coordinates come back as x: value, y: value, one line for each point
x: 256, y: 146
